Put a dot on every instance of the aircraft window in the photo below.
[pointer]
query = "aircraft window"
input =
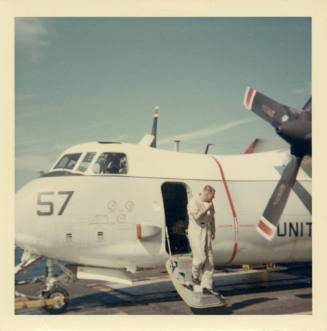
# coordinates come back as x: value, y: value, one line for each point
x: 68, y: 161
x: 111, y: 163
x: 86, y: 161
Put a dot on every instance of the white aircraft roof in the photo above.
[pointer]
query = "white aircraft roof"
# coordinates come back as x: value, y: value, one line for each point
x: 145, y: 161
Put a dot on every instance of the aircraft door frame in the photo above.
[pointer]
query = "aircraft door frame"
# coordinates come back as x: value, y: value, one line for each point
x: 176, y: 216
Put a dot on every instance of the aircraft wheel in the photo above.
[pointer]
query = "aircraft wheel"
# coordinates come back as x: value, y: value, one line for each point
x: 56, y: 293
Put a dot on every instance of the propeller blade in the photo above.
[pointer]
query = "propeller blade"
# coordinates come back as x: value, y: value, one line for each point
x: 268, y: 109
x: 274, y: 209
x: 308, y: 105
x: 154, y: 127
x: 306, y: 165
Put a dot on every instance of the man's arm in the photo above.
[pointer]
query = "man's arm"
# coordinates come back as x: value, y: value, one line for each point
x: 213, y: 228
x: 196, y: 212
x: 213, y: 223
x: 204, y: 212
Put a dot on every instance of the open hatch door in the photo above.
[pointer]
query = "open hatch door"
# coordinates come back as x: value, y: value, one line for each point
x: 175, y: 198
x: 180, y: 272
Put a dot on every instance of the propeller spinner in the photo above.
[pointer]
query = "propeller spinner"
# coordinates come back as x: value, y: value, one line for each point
x: 295, y: 128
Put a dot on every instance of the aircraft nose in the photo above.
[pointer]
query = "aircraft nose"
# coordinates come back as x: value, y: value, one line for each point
x: 23, y: 216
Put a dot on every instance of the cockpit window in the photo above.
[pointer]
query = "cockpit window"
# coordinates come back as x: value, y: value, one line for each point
x: 68, y: 161
x: 86, y: 161
x: 111, y: 163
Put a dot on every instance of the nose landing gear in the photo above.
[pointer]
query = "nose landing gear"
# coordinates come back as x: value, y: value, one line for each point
x: 54, y: 298
x: 54, y: 290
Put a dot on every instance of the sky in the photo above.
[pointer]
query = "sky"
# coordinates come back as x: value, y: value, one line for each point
x: 90, y: 79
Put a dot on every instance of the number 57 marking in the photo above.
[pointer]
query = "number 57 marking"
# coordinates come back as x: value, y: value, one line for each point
x: 42, y: 202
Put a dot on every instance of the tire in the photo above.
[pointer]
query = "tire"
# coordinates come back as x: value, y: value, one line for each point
x: 56, y: 292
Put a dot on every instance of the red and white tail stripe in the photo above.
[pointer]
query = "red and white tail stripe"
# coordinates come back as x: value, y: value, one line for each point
x: 248, y: 97
x: 250, y: 149
x: 266, y: 229
x: 156, y: 112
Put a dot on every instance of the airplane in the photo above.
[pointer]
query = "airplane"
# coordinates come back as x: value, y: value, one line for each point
x: 114, y: 208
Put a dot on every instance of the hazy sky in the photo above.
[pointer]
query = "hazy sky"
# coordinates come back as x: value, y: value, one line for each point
x: 89, y: 79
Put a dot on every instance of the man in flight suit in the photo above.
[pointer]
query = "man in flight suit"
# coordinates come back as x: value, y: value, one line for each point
x: 201, y: 231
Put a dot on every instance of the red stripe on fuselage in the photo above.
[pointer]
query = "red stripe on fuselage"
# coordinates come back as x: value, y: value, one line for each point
x: 233, y: 211
x: 138, y: 231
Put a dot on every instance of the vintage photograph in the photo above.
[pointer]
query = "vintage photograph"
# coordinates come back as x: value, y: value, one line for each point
x: 163, y: 165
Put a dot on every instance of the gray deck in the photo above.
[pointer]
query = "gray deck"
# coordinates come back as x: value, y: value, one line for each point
x: 256, y: 292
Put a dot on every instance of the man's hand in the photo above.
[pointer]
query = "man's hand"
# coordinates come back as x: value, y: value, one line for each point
x: 204, y: 212
x: 213, y: 236
x: 209, y: 207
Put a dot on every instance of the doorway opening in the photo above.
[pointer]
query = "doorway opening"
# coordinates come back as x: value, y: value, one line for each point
x: 175, y: 203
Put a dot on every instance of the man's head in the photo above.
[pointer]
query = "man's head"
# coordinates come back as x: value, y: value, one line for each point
x: 208, y: 193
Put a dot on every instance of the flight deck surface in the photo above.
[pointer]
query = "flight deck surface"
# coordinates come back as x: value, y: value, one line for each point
x: 286, y: 290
